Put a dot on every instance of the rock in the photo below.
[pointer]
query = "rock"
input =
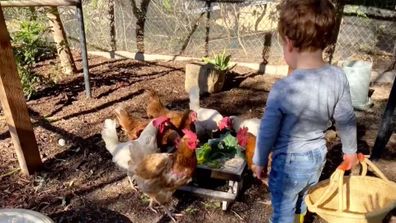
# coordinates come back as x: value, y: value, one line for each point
x: 61, y: 142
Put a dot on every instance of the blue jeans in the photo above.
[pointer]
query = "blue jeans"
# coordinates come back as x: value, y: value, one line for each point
x: 291, y: 176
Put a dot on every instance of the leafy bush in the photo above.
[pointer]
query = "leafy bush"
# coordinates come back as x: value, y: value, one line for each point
x: 30, y: 46
x: 29, y: 81
x: 220, y: 61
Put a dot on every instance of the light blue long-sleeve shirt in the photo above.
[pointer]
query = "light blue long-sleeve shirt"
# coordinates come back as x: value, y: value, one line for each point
x: 299, y: 109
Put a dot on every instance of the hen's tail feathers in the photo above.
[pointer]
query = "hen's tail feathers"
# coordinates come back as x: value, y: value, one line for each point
x: 120, y: 112
x: 194, y: 98
x: 109, y: 135
x: 123, y: 117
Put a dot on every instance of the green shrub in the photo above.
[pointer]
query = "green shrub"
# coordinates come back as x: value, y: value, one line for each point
x: 30, y: 43
x: 29, y: 81
x: 30, y: 46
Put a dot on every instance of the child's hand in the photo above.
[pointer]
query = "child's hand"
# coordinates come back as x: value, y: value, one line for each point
x: 260, y: 171
x: 350, y: 161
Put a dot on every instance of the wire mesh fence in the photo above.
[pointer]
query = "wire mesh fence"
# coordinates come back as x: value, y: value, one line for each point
x: 245, y: 29
x: 187, y: 28
x: 367, y: 31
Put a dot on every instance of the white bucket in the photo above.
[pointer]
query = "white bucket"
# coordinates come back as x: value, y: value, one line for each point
x: 358, y: 73
x: 23, y: 216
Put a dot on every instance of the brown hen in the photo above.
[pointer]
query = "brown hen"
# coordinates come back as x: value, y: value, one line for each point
x: 159, y: 175
x: 132, y: 126
x: 248, y: 141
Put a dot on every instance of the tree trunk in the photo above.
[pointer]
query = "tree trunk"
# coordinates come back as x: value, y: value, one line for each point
x: 339, y: 4
x: 113, y: 43
x: 261, y: 16
x: 207, y: 27
x: 140, y: 15
x: 33, y: 13
x: 60, y: 39
x: 267, y: 47
x: 140, y: 34
x: 188, y: 38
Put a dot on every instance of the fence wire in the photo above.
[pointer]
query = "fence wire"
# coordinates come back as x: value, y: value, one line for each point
x: 246, y: 30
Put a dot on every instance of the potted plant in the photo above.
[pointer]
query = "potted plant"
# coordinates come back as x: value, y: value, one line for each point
x: 220, y: 65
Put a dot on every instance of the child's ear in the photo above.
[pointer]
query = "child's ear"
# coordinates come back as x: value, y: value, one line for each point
x: 289, y: 44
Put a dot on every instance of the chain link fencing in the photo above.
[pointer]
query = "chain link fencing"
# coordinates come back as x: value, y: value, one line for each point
x: 245, y: 29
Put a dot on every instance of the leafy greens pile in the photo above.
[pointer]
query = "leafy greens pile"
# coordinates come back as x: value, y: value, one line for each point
x: 216, y: 151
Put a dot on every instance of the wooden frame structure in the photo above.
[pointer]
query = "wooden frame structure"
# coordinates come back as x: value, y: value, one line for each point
x: 80, y: 18
x: 14, y: 106
x: 230, y: 173
x: 11, y: 94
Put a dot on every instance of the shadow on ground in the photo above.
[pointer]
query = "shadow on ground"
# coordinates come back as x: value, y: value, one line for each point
x: 88, y: 215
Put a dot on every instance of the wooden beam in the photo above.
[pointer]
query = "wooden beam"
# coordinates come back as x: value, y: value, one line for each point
x: 220, y: 174
x: 30, y: 3
x: 214, y: 194
x: 14, y: 106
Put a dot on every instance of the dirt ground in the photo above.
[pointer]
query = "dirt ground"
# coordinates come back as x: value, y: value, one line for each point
x: 79, y: 182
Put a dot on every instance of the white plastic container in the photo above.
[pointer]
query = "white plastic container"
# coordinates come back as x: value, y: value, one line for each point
x: 22, y: 216
x: 358, y: 73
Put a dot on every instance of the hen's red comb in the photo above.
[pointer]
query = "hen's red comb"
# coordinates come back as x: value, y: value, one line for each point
x: 160, y: 120
x: 242, y: 136
x: 242, y: 131
x: 190, y: 134
x: 225, y: 123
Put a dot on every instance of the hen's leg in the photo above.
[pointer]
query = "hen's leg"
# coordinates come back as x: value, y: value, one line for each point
x: 131, y: 179
x: 169, y: 214
x: 151, y: 206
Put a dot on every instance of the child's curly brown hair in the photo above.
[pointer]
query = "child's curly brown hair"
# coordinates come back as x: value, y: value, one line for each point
x: 307, y: 23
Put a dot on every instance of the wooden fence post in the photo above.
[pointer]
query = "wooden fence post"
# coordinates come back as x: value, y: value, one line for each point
x: 14, y: 105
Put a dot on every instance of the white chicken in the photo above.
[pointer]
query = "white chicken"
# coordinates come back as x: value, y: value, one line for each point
x: 142, y: 146
x: 252, y: 124
x: 207, y: 119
